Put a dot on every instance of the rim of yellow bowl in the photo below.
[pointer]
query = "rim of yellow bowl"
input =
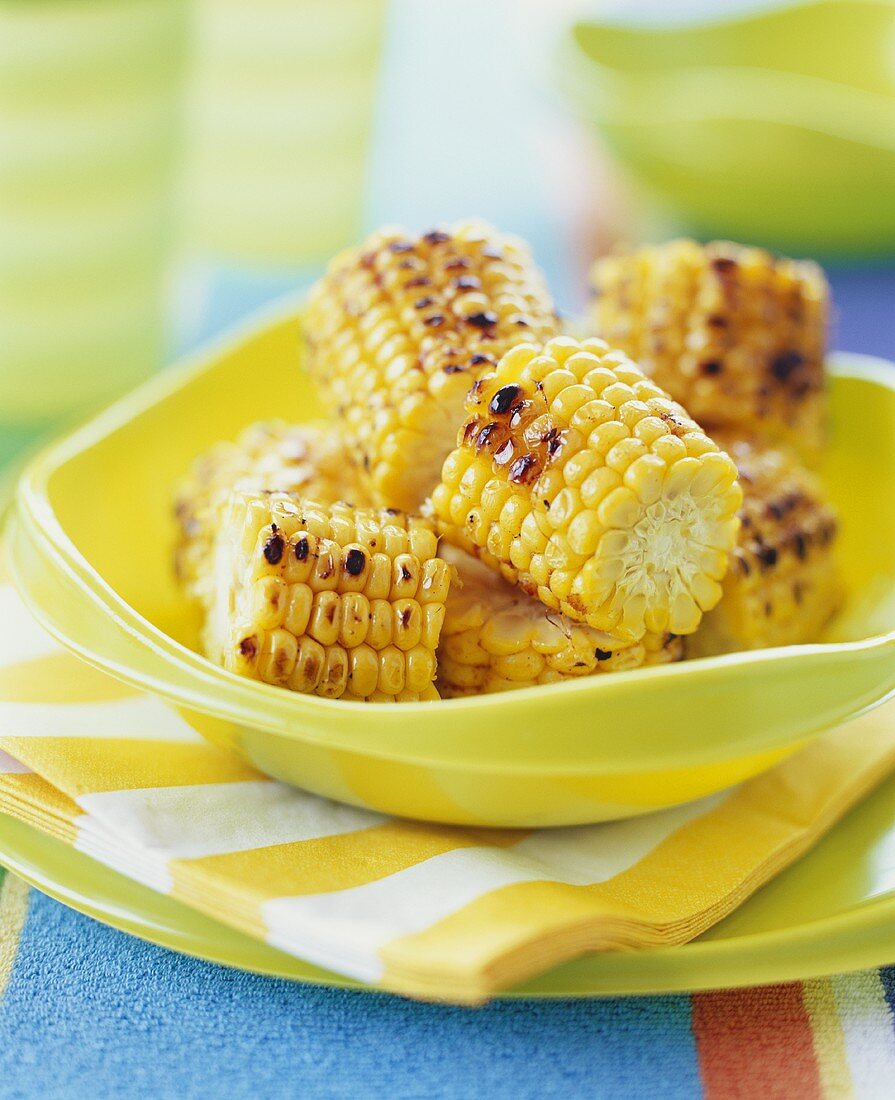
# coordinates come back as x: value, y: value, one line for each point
x: 222, y: 694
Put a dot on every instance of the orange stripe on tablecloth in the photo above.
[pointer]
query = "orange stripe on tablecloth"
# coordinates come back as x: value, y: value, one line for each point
x: 756, y: 1044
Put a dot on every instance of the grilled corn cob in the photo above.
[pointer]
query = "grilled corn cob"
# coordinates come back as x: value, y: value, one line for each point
x: 579, y: 478
x: 783, y: 586
x: 399, y: 328
x: 495, y: 638
x: 329, y: 600
x: 303, y: 458
x: 734, y: 334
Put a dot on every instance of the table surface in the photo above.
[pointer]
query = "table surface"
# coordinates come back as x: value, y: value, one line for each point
x: 87, y: 1011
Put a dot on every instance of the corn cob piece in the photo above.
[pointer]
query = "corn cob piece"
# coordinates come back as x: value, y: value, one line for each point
x: 581, y: 480
x: 783, y: 585
x: 495, y: 638
x: 328, y: 600
x: 298, y: 458
x: 398, y: 330
x: 734, y: 334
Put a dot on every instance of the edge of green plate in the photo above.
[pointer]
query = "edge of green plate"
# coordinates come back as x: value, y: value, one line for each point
x: 858, y: 938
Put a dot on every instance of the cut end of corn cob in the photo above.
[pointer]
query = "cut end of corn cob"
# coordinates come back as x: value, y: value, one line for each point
x: 783, y: 586
x: 496, y: 638
x: 309, y: 459
x: 581, y: 480
x: 329, y: 600
x: 733, y: 333
x: 399, y: 328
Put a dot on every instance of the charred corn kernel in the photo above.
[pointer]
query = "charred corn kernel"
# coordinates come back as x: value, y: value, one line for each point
x: 733, y: 333
x: 305, y: 458
x: 363, y: 670
x: 298, y: 599
x: 496, y: 638
x: 783, y: 585
x: 399, y: 328
x: 625, y: 549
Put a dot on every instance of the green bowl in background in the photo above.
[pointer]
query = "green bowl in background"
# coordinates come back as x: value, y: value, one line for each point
x: 777, y: 127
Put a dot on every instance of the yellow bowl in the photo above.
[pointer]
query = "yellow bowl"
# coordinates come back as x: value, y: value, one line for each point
x: 90, y: 539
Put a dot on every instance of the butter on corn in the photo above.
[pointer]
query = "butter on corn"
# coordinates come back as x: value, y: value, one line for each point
x: 310, y: 459
x: 783, y: 585
x: 331, y: 600
x: 581, y: 480
x: 399, y: 328
x: 496, y: 638
x: 736, y: 335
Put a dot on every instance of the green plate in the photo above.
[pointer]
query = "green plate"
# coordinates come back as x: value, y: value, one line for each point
x: 833, y: 911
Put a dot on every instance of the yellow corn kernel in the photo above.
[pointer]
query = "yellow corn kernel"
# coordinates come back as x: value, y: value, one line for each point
x: 783, y: 585
x: 496, y: 638
x: 391, y: 670
x: 298, y: 609
x: 363, y: 670
x: 296, y: 602
x: 733, y: 333
x: 399, y: 328
x: 627, y: 542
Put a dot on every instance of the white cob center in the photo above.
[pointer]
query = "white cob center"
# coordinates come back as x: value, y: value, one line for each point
x: 669, y: 557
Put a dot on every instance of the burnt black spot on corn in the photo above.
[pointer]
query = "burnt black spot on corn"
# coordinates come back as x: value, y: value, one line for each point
x: 783, y: 367
x: 766, y: 555
x: 482, y: 319
x: 525, y: 470
x: 735, y: 334
x: 355, y: 560
x: 485, y: 436
x: 393, y: 363
x: 503, y: 400
x: 273, y: 548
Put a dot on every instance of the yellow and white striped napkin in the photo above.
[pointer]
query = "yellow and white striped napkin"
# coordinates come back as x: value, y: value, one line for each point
x: 437, y: 912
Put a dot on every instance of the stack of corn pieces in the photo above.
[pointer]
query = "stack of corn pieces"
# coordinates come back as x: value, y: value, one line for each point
x: 495, y: 504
